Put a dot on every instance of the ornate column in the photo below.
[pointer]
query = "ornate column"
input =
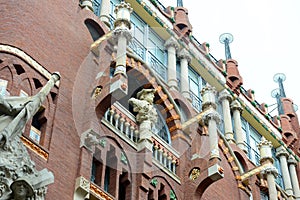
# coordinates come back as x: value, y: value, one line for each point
x: 122, y: 35
x: 211, y: 117
x: 225, y: 98
x: 146, y: 116
x: 185, y: 58
x: 240, y: 136
x: 282, y: 154
x: 171, y: 45
x: 105, y: 11
x: 270, y: 173
x: 293, y: 174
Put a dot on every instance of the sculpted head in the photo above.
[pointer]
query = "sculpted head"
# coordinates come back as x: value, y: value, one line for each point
x: 146, y: 94
x: 21, y: 189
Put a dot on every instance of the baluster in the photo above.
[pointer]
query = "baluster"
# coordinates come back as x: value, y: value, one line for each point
x: 111, y: 115
x: 174, y: 166
x: 169, y: 162
x: 127, y: 124
x: 116, y: 117
x: 122, y: 120
x: 137, y: 136
x: 160, y: 155
x: 106, y: 115
x: 155, y: 150
x: 131, y: 132
x: 165, y: 158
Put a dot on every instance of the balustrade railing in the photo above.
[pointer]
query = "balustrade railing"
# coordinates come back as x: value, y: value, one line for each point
x: 196, y: 101
x: 157, y: 66
x: 138, y: 48
x: 164, y: 155
x: 122, y: 123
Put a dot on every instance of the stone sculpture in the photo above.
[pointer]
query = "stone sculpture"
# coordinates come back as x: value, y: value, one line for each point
x: 19, y: 180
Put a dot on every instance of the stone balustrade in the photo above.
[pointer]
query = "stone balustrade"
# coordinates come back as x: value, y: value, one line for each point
x: 124, y: 124
x: 164, y: 155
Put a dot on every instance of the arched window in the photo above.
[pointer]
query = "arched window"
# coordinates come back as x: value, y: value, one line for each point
x: 160, y: 128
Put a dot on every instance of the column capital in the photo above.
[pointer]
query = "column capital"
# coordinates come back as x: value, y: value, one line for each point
x: 265, y: 149
x: 208, y: 94
x: 292, y: 160
x: 224, y: 94
x: 172, y: 42
x: 281, y: 151
x: 121, y: 31
x: 184, y: 54
x: 211, y: 115
x: 270, y: 170
x: 235, y: 105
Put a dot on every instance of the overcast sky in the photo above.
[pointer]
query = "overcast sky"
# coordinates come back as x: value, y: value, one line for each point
x: 266, y: 40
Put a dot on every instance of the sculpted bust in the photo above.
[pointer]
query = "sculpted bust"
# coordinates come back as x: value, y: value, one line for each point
x: 21, y: 189
x: 144, y: 106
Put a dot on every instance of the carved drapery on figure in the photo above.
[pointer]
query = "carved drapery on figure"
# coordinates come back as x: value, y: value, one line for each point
x: 146, y: 116
x: 144, y: 106
x: 16, y: 167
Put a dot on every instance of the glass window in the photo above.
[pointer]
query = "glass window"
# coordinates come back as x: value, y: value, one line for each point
x: 196, y: 84
x: 97, y: 7
x: 161, y: 129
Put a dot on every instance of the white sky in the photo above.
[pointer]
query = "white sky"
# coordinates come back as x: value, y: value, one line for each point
x: 266, y: 39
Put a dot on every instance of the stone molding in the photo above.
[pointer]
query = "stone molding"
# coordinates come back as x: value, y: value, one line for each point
x: 235, y: 105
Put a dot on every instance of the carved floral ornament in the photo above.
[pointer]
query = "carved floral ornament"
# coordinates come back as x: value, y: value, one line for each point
x: 195, y: 173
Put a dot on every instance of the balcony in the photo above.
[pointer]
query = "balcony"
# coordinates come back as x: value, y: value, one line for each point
x: 123, y: 123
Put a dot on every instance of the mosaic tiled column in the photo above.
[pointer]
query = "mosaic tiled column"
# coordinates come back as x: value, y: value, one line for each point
x: 122, y: 35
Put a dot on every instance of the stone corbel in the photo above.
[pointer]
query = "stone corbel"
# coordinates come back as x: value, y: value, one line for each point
x: 89, y: 139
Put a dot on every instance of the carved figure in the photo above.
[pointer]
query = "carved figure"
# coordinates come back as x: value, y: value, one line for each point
x: 16, y: 111
x: 144, y: 106
x: 15, y: 162
x: 21, y: 189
